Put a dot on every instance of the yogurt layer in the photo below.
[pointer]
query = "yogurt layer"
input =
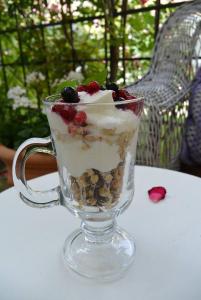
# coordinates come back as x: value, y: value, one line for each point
x: 101, y: 114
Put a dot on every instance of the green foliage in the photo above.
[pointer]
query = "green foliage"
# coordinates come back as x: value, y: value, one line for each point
x: 54, y: 52
x: 60, y: 86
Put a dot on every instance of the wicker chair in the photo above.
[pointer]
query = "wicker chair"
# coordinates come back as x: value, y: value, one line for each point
x: 166, y: 87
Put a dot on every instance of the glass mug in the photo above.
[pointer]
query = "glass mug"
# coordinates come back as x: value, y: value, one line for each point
x: 96, y: 172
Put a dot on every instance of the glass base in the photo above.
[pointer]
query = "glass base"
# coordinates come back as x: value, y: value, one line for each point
x: 102, y: 257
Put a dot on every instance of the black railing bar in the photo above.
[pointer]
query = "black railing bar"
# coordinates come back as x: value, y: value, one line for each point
x: 124, y: 8
x: 3, y: 69
x: 20, y: 47
x: 91, y: 18
x: 151, y: 7
x: 70, y: 61
x: 81, y: 60
x: 45, y: 51
x: 157, y: 19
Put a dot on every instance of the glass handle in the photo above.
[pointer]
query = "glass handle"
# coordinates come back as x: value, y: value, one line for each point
x: 28, y: 195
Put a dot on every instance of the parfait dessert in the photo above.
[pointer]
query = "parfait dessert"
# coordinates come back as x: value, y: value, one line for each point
x: 95, y: 130
x: 94, y: 133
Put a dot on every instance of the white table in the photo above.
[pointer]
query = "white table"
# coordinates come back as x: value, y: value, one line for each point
x: 168, y: 239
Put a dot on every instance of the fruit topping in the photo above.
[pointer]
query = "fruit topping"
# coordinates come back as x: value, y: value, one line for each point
x: 57, y: 108
x: 93, y: 87
x: 70, y: 95
x: 80, y: 118
x: 68, y: 113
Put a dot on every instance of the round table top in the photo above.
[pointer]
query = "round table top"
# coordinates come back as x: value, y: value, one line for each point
x: 167, y: 265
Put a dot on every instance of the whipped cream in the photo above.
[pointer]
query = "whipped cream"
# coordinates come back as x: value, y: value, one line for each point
x: 104, y: 114
x: 101, y: 114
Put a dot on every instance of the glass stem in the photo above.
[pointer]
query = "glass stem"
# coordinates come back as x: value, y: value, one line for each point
x: 98, y: 232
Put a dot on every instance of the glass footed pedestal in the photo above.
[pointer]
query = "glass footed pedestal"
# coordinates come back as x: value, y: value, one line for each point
x: 99, y: 250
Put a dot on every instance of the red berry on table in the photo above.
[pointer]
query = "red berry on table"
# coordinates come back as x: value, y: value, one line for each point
x: 80, y: 118
x: 68, y: 113
x: 93, y: 87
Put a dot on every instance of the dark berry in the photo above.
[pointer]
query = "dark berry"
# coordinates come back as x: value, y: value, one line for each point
x: 80, y: 118
x: 68, y: 113
x: 112, y: 86
x: 68, y: 94
x: 93, y: 87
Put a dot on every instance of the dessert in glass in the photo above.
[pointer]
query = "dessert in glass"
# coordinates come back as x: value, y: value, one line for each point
x: 94, y: 134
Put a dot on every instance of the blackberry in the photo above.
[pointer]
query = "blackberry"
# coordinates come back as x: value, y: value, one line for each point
x: 70, y: 95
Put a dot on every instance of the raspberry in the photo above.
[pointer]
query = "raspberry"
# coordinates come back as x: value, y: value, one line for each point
x: 93, y: 87
x: 68, y: 94
x: 80, y: 118
x: 57, y: 108
x: 68, y: 113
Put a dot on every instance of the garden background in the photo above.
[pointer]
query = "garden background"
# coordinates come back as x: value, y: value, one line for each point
x: 44, y: 43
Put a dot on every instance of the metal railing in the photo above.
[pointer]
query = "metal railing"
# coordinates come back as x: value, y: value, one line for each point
x: 67, y: 22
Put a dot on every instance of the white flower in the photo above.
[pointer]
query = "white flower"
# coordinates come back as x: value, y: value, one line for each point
x: 18, y: 95
x: 15, y: 92
x: 73, y: 75
x: 35, y: 77
x: 21, y: 102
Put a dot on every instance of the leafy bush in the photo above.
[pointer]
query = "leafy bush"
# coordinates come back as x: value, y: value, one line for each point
x: 40, y: 48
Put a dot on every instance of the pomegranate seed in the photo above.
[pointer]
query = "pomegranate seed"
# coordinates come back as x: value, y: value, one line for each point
x: 57, y: 108
x: 80, y: 118
x: 157, y: 193
x: 68, y: 113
